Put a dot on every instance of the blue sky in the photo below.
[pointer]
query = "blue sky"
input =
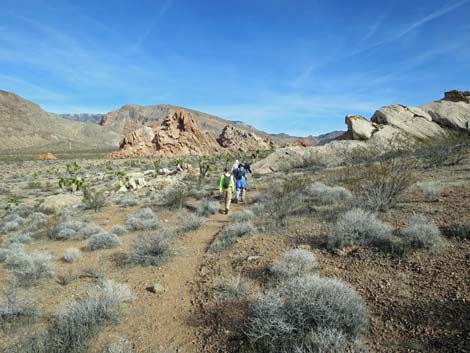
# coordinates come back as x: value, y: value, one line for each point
x: 293, y: 66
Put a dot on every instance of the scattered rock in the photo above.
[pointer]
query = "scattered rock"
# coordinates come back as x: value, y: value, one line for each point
x: 157, y: 289
x: 46, y: 157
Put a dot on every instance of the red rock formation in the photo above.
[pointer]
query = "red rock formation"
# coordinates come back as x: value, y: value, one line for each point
x: 46, y: 157
x: 178, y: 135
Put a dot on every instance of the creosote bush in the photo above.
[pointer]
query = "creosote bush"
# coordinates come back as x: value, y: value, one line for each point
x: 151, y: 249
x: 173, y: 197
x: 306, y: 314
x: 77, y: 322
x: 143, y: 219
x: 422, y: 233
x: 102, y: 240
x: 358, y: 227
x: 295, y: 262
x: 381, y: 184
x: 94, y: 199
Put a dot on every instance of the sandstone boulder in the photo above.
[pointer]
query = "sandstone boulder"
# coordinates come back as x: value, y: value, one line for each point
x: 56, y: 203
x: 411, y: 121
x: 46, y: 157
x: 453, y: 111
x: 360, y: 128
x: 236, y: 139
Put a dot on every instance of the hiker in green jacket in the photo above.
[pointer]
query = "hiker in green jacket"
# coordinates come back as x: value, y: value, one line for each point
x: 226, y: 188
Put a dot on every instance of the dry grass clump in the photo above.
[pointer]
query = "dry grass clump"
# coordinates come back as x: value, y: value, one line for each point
x: 151, y: 249
x: 294, y: 262
x: 244, y: 215
x: 234, y: 288
x: 358, y: 227
x: 77, y: 322
x: 431, y: 191
x: 143, y: 219
x: 307, y: 314
x: 119, y: 230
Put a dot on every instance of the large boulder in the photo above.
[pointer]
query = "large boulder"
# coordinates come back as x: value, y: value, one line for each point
x: 412, y: 122
x: 56, y: 203
x: 360, y: 128
x: 236, y: 139
x: 452, y: 111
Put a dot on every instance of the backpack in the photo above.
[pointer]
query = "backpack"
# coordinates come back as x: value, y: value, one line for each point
x: 227, y: 181
x: 240, y: 173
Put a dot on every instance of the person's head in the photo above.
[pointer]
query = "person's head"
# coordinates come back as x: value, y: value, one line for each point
x: 226, y: 169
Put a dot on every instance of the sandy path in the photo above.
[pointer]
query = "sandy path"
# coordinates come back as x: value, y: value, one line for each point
x: 168, y: 320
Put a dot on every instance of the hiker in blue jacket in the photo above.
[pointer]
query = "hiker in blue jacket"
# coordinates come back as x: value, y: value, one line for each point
x: 240, y: 183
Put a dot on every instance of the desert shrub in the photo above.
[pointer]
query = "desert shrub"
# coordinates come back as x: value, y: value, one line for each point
x: 173, y: 197
x: 150, y: 249
x: 28, y: 268
x: 9, y: 248
x: 244, y: 215
x: 230, y: 234
x: 67, y: 277
x: 207, y: 208
x: 295, y: 262
x: 12, y: 222
x: 77, y: 322
x: 143, y: 219
x: 461, y: 231
x: 296, y: 316
x: 24, y: 211
x: 119, y: 230
x: 102, y: 240
x: 382, y: 183
x: 14, y: 308
x: 23, y: 238
x: 431, y: 191
x: 128, y: 202
x: 71, y: 254
x: 38, y: 220
x: 121, y: 346
x: 94, y: 199
x: 234, y: 288
x: 74, y: 230
x: 358, y: 227
x: 199, y: 193
x: 326, y: 195
x: 422, y: 232
x: 188, y: 222
x: 447, y: 152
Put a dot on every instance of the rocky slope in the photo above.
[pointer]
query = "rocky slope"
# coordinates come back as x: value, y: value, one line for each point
x: 25, y: 127
x: 178, y: 135
x: 83, y: 117
x: 389, y: 126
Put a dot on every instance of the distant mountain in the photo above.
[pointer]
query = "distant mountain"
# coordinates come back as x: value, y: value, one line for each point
x: 83, y: 117
x: 130, y: 117
x: 325, y: 138
x: 25, y: 127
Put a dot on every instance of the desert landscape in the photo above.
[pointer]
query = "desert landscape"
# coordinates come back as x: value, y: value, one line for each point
x: 354, y: 244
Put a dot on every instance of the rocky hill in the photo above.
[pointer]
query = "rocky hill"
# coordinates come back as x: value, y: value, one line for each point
x: 83, y: 117
x: 178, y: 135
x: 131, y: 117
x: 25, y: 127
x: 388, y: 126
x: 235, y: 139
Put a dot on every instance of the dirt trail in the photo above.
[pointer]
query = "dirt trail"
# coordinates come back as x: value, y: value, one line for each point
x: 168, y: 320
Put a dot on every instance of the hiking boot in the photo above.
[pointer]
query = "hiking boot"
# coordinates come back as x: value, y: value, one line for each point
x: 226, y: 211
